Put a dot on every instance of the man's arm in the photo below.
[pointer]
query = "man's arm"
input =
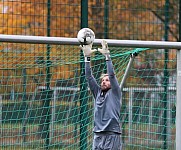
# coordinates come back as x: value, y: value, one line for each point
x: 87, y: 50
x: 110, y: 70
x: 94, y: 87
x: 112, y: 76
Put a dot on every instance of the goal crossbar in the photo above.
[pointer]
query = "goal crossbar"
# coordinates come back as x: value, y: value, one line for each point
x: 74, y: 41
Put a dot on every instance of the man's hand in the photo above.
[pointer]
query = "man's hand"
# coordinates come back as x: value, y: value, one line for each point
x: 105, y: 51
x: 87, y: 50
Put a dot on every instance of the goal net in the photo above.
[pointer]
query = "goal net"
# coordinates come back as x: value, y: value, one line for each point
x: 45, y: 101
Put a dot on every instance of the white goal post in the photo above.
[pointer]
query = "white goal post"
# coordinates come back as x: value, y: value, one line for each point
x: 74, y: 41
x: 120, y: 43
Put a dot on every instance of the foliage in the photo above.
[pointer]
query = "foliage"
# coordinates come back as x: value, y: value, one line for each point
x: 132, y: 20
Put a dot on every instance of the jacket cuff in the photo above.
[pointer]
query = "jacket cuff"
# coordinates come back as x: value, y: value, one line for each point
x: 87, y: 59
x: 108, y: 57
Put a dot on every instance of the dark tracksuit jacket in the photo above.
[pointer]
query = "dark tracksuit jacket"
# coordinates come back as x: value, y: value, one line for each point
x: 107, y: 107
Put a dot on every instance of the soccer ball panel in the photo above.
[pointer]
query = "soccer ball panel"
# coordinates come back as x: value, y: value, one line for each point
x: 86, y: 36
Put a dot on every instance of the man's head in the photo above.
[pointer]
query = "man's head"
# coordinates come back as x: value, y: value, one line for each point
x: 105, y: 83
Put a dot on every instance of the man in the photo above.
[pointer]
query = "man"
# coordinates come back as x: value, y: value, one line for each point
x: 107, y: 104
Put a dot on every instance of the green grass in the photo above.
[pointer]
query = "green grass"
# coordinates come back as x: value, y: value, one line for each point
x: 66, y: 137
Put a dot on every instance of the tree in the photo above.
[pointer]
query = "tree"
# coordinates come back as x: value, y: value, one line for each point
x: 30, y: 18
x: 140, y: 20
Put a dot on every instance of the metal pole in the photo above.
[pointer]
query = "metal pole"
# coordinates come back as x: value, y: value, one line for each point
x: 178, y: 102
x: 25, y: 106
x: 83, y: 89
x: 1, y: 109
x: 74, y: 41
x: 131, y: 92
x: 127, y: 69
x: 53, y: 114
x: 165, y: 83
x: 106, y: 18
x: 48, y: 76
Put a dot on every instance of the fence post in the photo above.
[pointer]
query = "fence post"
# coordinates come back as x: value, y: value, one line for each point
x: 83, y: 87
x: 1, y: 109
x: 178, y: 89
x: 106, y: 19
x: 130, y: 114
x: 48, y: 77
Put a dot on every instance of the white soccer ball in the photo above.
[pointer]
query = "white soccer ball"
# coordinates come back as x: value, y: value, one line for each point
x: 86, y: 36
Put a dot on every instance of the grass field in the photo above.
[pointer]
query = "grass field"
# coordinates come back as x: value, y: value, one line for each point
x: 67, y: 137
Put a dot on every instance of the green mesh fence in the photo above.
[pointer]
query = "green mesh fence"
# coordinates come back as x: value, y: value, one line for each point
x: 43, y: 104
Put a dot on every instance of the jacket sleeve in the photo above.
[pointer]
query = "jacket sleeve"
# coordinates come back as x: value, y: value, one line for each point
x: 94, y: 87
x: 113, y: 80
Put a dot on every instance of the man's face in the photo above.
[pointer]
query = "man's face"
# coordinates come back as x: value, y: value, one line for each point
x: 105, y: 83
